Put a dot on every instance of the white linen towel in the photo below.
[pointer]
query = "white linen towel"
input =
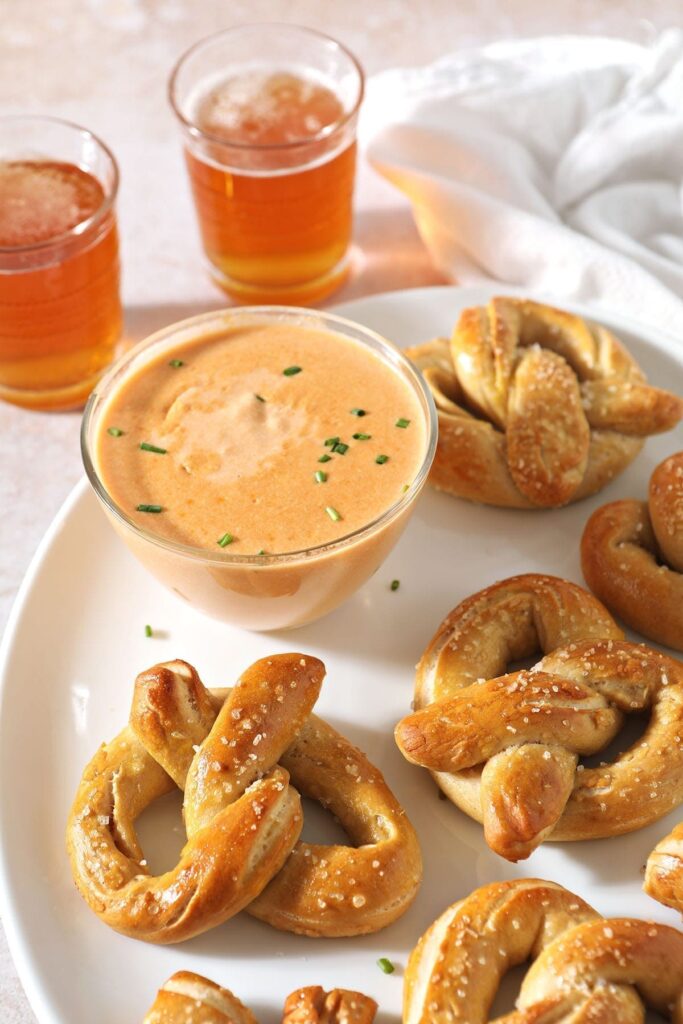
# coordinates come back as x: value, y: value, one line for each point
x: 555, y: 164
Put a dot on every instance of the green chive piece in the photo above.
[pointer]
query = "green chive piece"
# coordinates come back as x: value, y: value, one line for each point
x: 333, y: 514
x: 320, y: 477
x: 358, y: 412
x: 153, y: 448
x: 406, y: 487
x: 325, y: 458
x: 331, y: 441
x: 148, y: 630
x: 259, y: 398
x: 115, y: 431
x: 175, y: 363
x: 381, y: 459
x: 395, y: 584
x: 402, y: 423
x: 148, y: 508
x: 385, y: 965
x: 261, y: 552
x: 292, y: 371
x: 340, y: 448
x: 226, y: 539
x: 362, y: 437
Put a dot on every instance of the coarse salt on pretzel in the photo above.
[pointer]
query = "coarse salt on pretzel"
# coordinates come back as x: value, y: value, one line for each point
x: 231, y: 854
x: 313, y: 1005
x: 537, y: 407
x: 585, y: 970
x: 632, y: 556
x: 323, y: 890
x: 502, y: 732
x: 188, y: 998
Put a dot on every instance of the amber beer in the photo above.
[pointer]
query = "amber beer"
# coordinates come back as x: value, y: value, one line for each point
x: 60, y: 313
x: 269, y: 116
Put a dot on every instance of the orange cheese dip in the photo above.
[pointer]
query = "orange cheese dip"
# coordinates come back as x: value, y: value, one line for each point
x: 256, y: 428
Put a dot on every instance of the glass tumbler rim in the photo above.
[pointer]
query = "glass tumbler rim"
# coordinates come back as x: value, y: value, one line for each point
x: 328, y: 130
x: 110, y: 191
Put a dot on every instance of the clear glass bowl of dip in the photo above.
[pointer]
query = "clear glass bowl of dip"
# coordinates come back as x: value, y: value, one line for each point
x: 270, y: 591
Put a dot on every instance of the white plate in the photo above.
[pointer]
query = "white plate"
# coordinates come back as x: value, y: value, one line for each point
x: 76, y: 641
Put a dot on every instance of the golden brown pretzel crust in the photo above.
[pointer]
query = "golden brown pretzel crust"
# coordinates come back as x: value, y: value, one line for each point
x: 313, y: 1005
x: 537, y: 407
x: 188, y: 998
x: 586, y: 970
x: 632, y: 556
x: 242, y: 817
x: 505, y: 749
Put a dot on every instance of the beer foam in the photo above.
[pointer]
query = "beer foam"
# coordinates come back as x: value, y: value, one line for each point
x: 40, y: 200
x: 266, y: 107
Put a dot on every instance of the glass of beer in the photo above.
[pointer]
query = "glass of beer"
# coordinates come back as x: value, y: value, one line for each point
x: 268, y: 115
x: 60, y: 312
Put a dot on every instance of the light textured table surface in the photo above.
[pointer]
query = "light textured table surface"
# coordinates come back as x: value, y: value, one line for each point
x: 104, y: 64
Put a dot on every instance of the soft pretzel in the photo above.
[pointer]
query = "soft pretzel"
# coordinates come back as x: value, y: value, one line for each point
x: 664, y: 870
x: 188, y: 998
x: 506, y: 749
x: 632, y: 556
x: 537, y: 407
x: 340, y: 1006
x: 242, y: 817
x: 586, y: 970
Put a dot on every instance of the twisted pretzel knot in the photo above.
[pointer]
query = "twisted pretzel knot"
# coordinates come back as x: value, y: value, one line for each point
x: 587, y: 970
x: 188, y: 998
x: 242, y: 817
x: 506, y: 749
x: 537, y: 407
x: 632, y: 556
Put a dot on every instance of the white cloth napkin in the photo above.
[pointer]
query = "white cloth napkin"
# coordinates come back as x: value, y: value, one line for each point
x: 555, y: 164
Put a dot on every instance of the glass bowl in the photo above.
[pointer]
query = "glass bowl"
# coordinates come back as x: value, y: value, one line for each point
x: 271, y: 591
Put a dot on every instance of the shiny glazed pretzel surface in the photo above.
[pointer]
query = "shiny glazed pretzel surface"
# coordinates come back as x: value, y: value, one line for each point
x: 242, y: 814
x: 632, y: 556
x: 586, y: 969
x: 506, y: 749
x: 537, y: 407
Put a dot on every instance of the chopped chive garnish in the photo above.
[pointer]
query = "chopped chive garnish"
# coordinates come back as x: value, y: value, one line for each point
x: 148, y: 630
x: 395, y: 584
x: 226, y: 539
x: 325, y: 458
x: 292, y: 371
x: 259, y: 398
x: 320, y: 477
x: 261, y: 552
x: 385, y: 965
x: 402, y: 423
x: 333, y: 514
x: 340, y: 448
x: 406, y: 487
x: 331, y: 441
x: 358, y: 412
x: 148, y: 508
x: 381, y: 459
x: 153, y: 448
x: 362, y: 437
x: 115, y: 431
x: 175, y: 363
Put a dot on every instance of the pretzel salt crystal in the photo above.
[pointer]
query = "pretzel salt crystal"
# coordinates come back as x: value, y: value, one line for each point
x: 536, y: 406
